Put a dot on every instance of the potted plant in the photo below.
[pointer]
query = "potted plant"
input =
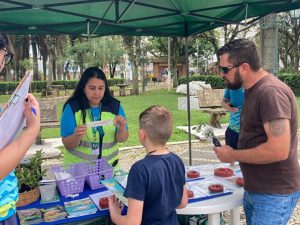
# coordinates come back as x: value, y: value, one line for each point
x: 29, y: 176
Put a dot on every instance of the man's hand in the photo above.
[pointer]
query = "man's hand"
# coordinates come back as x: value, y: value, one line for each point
x: 225, y: 153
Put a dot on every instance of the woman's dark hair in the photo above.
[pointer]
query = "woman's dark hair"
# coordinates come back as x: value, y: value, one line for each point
x: 3, y: 40
x: 79, y: 95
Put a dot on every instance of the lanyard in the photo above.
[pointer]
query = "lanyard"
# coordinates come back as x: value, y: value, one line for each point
x: 99, y: 129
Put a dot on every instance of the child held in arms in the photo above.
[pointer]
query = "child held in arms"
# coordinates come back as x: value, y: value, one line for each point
x: 155, y: 186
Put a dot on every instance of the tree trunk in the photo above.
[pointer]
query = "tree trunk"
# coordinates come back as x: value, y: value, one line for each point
x: 45, y: 58
x: 60, y: 71
x: 133, y: 48
x: 174, y: 60
x: 35, y: 61
x: 269, y: 43
x: 50, y: 70
x: 44, y: 53
x: 54, y: 68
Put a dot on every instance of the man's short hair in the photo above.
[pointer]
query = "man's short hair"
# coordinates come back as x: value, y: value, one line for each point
x: 157, y: 121
x: 241, y: 51
x: 3, y: 40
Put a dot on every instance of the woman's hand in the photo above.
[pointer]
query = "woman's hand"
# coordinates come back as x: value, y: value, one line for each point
x: 120, y: 122
x: 122, y: 132
x: 73, y: 140
x: 32, y: 112
x: 80, y: 130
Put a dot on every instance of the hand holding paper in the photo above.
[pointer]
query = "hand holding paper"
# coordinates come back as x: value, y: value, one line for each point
x: 99, y: 123
x: 120, y: 122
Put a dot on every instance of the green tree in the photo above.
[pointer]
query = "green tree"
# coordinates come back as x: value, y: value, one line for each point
x: 203, y: 55
x: 289, y: 41
x: 132, y: 45
x: 114, y: 52
x: 102, y: 51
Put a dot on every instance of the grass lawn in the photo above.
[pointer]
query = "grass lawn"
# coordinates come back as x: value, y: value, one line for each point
x: 134, y: 105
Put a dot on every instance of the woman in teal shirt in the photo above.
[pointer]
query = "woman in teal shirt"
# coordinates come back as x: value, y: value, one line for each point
x: 92, y: 102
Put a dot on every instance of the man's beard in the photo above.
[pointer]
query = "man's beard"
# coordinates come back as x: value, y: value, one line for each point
x: 236, y: 84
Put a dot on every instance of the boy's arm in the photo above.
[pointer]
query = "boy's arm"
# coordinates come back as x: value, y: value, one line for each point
x: 184, y: 199
x: 134, y: 212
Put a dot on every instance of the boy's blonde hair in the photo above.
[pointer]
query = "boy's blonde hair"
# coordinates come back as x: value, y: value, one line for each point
x: 157, y: 121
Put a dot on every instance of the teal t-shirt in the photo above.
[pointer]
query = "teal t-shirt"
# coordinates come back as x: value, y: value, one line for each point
x: 68, y: 122
x: 236, y: 99
x: 8, y: 196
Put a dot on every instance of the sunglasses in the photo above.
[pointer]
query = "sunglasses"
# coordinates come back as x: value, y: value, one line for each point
x: 8, y: 56
x: 226, y: 69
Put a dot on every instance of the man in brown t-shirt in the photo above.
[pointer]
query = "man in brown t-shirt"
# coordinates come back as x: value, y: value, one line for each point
x: 267, y: 148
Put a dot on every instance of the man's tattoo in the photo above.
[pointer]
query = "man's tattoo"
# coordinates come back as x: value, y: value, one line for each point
x: 277, y: 127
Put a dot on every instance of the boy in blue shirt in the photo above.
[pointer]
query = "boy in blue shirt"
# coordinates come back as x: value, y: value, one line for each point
x: 155, y: 186
x: 233, y: 102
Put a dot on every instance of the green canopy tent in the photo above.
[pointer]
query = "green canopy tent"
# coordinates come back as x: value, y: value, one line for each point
x: 133, y: 17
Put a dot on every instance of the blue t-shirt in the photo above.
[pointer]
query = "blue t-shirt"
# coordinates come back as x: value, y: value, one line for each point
x: 236, y: 99
x: 68, y: 122
x: 8, y: 195
x: 158, y: 181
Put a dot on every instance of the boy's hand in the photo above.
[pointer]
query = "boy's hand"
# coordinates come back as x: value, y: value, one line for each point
x: 231, y: 108
x: 115, y: 205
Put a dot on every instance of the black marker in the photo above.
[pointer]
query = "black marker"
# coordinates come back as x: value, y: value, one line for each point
x: 33, y: 110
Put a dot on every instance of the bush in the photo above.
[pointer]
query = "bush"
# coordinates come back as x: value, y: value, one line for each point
x: 292, y: 80
x: 38, y: 86
x: 215, y: 81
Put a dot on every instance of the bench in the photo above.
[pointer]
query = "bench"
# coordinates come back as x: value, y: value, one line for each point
x: 56, y: 88
x: 129, y: 90
x: 49, y: 117
x: 210, y: 101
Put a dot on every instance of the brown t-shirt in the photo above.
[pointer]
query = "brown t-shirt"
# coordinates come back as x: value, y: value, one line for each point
x: 267, y: 100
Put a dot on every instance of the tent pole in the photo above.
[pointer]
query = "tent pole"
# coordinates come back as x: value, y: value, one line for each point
x: 169, y: 64
x: 188, y: 97
x: 88, y: 28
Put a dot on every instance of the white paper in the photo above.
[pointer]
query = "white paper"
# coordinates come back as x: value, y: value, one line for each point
x: 100, y: 123
x: 12, y: 120
x: 96, y: 197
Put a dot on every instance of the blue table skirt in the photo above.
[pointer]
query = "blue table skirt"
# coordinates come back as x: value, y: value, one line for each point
x: 84, y: 194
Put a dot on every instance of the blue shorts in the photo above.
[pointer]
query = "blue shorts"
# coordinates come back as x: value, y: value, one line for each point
x: 231, y: 138
x: 269, y: 209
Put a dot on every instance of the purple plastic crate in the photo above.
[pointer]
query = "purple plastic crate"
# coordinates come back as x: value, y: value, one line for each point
x: 72, y: 185
x: 97, y: 170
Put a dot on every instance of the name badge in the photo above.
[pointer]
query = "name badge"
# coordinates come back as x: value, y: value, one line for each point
x: 95, y: 148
